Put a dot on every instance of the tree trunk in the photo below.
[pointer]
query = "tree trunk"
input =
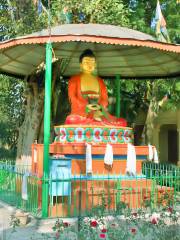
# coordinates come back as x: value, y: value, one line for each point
x: 32, y: 127
x: 147, y: 134
x: 29, y: 130
x: 149, y: 125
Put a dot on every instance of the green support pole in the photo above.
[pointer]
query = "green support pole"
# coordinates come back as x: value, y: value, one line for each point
x: 47, y: 117
x: 118, y: 96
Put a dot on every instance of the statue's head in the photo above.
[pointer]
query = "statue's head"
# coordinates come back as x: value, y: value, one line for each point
x: 87, y: 61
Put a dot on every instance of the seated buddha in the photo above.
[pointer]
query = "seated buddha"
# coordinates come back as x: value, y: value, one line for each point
x: 88, y: 96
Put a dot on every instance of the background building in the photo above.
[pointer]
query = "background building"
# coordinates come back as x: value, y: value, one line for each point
x: 166, y: 135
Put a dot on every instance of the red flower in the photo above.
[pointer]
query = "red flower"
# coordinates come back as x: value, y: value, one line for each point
x: 65, y: 224
x: 104, y: 230
x: 134, y: 214
x: 170, y: 209
x: 145, y: 197
x: 161, y: 190
x: 154, y: 221
x: 133, y: 230
x: 94, y: 224
x: 102, y: 235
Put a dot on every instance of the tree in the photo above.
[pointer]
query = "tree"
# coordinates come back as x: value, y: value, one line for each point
x: 135, y: 14
x: 92, y: 11
x: 142, y: 14
x: 11, y: 113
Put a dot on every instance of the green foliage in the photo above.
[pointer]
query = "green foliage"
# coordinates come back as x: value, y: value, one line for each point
x: 18, y: 18
x: 170, y: 88
x: 15, y: 222
x: 94, y: 11
x: 21, y: 17
x: 142, y: 13
x: 108, y: 12
x: 11, y: 114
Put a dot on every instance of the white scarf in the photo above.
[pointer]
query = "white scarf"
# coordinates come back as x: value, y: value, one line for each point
x: 24, y: 191
x: 150, y: 152
x: 88, y: 159
x: 108, y: 157
x: 156, y: 159
x: 131, y: 160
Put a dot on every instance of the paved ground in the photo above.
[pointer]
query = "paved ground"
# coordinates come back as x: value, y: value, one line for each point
x: 34, y: 228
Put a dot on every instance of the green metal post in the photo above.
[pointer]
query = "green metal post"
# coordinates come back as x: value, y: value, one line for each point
x: 47, y: 116
x: 118, y: 96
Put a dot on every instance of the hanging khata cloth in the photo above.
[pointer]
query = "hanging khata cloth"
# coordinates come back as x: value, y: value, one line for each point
x: 88, y: 159
x: 24, y: 192
x: 156, y: 159
x: 108, y: 157
x: 150, y: 152
x: 131, y: 160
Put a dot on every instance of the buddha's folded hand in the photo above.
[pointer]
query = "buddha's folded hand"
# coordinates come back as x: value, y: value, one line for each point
x: 93, y: 107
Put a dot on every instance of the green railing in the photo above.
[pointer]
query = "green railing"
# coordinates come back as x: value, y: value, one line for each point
x: 11, y: 178
x: 108, y: 195
x: 7, y: 161
x: 78, y: 196
x: 169, y: 174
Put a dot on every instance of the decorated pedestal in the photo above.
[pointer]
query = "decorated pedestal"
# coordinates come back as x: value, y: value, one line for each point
x: 70, y: 143
x: 93, y: 134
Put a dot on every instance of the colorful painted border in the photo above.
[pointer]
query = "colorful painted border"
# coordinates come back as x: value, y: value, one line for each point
x: 96, y: 134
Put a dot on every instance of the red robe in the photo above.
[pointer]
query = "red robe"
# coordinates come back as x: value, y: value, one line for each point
x: 78, y: 103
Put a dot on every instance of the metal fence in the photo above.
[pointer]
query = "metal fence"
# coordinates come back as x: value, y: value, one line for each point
x: 82, y: 195
x: 11, y: 179
x: 168, y: 174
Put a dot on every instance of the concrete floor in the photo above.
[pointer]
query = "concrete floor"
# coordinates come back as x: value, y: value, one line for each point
x: 33, y: 230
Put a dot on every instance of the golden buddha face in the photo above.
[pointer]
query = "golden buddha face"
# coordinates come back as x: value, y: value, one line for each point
x: 88, y: 64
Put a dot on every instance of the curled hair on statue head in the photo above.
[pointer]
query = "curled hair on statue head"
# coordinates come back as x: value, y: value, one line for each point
x: 86, y: 53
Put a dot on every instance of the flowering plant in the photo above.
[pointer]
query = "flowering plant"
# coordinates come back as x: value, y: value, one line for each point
x: 146, y: 224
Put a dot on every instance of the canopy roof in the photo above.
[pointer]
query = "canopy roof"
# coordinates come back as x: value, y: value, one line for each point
x: 118, y: 50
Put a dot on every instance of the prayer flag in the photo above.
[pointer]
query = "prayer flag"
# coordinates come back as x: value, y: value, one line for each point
x: 39, y: 7
x: 159, y: 24
x: 67, y: 15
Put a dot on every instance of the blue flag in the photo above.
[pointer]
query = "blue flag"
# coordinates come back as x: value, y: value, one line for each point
x: 39, y: 6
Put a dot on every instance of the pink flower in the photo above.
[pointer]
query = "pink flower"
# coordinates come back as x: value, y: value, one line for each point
x: 104, y: 230
x: 155, y: 218
x: 133, y: 230
x: 93, y: 224
x: 154, y: 221
x: 102, y: 235
x: 66, y: 224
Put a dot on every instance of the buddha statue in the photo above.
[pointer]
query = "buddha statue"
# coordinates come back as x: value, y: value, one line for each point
x: 88, y: 96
